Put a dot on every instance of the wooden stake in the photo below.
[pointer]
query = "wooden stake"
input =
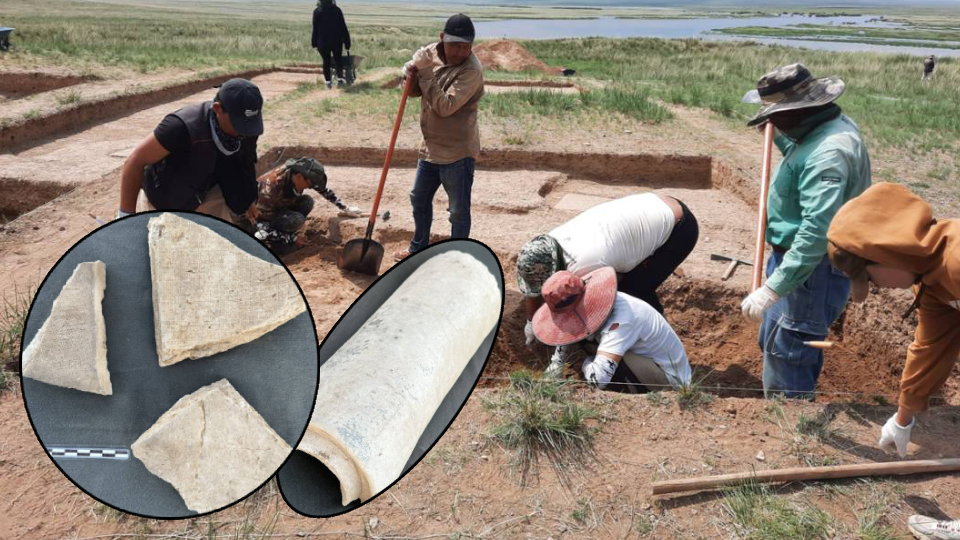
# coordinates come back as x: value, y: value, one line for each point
x: 806, y: 474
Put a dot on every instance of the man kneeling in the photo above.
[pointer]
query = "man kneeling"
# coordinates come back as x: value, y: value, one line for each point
x: 284, y: 206
x: 633, y: 345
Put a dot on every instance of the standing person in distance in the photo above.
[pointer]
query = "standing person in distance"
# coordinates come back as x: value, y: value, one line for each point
x: 330, y: 35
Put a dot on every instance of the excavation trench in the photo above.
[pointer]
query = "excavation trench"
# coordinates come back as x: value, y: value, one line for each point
x: 722, y: 346
x: 21, y: 196
x: 20, y: 84
x: 29, y: 131
x: 513, y: 203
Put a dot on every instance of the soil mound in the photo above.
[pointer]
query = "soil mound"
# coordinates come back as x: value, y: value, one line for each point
x: 507, y: 55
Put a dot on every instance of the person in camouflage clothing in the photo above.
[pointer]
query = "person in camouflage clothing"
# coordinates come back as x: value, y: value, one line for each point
x: 284, y: 206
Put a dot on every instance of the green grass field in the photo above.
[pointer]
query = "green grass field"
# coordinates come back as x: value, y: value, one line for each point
x: 884, y: 94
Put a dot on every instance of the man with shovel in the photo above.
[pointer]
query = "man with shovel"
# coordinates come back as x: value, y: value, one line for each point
x: 448, y: 78
x: 200, y: 158
x: 825, y: 164
x: 888, y: 236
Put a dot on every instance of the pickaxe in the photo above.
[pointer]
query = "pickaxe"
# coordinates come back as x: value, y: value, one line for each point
x: 734, y: 263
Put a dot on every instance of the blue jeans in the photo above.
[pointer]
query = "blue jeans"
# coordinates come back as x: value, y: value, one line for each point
x: 789, y: 367
x: 457, y: 180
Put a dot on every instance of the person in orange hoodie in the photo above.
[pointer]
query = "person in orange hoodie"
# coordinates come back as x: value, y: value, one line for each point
x: 888, y: 236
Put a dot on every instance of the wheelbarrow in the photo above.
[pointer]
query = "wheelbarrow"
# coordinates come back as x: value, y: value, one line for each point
x: 5, y: 37
x: 350, y: 64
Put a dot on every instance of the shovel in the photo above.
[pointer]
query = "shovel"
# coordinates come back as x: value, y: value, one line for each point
x: 762, y: 207
x: 753, y: 96
x: 363, y: 255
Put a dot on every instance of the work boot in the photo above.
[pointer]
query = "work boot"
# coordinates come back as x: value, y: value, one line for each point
x: 928, y: 528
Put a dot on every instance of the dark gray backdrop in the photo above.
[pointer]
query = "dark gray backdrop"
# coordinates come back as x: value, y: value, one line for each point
x: 306, y: 484
x: 276, y: 373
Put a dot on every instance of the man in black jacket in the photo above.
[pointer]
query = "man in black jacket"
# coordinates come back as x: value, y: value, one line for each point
x: 200, y: 158
x: 330, y: 34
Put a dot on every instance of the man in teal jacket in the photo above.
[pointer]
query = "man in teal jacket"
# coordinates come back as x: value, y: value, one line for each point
x: 825, y: 164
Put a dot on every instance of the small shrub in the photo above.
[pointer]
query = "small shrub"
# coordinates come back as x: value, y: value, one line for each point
x: 539, y: 418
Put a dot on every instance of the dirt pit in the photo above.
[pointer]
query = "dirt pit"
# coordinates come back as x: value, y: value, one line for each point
x: 508, y: 55
x: 512, y: 204
x: 19, y: 84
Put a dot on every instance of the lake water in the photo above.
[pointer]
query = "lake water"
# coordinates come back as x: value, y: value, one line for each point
x: 698, y: 28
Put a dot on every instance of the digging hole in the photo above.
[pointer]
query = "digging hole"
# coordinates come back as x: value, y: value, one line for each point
x: 723, y: 350
x: 18, y: 85
x: 21, y: 196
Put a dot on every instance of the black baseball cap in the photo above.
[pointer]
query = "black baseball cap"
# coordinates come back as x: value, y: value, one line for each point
x: 460, y: 26
x: 242, y: 101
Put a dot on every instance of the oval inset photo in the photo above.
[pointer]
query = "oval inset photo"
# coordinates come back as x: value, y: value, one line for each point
x: 169, y: 364
x: 394, y: 373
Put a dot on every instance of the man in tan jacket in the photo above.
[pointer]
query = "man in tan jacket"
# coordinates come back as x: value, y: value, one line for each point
x: 889, y: 236
x: 449, y: 81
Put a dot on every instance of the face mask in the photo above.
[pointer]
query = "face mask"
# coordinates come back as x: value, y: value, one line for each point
x: 227, y: 144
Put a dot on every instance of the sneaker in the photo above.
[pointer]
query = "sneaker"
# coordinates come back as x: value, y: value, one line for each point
x: 341, y: 82
x: 928, y: 528
x: 402, y: 254
x: 329, y: 85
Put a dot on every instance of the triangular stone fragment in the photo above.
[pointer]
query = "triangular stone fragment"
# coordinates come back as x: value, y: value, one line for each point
x: 208, y: 294
x: 213, y: 447
x: 70, y: 350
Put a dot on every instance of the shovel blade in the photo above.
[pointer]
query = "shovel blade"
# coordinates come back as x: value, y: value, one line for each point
x: 361, y: 255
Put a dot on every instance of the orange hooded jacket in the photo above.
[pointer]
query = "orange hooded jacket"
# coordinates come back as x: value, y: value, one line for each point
x: 891, y: 226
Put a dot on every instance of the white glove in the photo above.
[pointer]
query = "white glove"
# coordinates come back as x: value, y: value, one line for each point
x: 528, y: 333
x: 121, y: 213
x: 599, y: 370
x: 757, y: 302
x: 422, y: 59
x: 350, y: 211
x: 557, y: 363
x: 893, y: 436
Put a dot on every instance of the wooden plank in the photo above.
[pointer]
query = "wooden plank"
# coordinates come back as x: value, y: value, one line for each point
x: 806, y: 474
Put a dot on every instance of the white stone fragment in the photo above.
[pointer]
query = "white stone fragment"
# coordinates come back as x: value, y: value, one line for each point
x: 208, y: 294
x: 70, y: 350
x: 212, y: 446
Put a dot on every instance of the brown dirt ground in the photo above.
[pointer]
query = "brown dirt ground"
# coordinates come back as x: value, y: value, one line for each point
x: 464, y: 485
x: 508, y: 55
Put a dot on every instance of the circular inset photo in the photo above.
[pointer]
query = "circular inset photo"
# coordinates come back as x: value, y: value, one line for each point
x: 394, y: 373
x: 169, y: 364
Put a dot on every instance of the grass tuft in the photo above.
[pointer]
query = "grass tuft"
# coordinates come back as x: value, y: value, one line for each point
x: 758, y: 514
x: 13, y: 316
x: 539, y: 419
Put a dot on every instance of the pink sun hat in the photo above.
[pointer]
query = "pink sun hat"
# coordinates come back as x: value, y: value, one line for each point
x: 574, y: 307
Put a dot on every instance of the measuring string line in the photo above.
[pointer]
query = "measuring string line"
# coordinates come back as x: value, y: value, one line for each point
x: 730, y: 388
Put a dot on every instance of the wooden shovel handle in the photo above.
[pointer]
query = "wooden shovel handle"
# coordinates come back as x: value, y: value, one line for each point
x: 762, y: 207
x: 393, y: 142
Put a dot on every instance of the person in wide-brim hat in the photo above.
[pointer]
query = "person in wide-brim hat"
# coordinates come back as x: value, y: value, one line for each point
x: 630, y: 344
x: 574, y: 307
x: 792, y: 87
x: 825, y: 163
